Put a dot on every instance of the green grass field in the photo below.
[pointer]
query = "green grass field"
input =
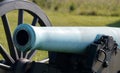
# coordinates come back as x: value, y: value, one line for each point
x: 59, y: 19
x: 62, y: 19
x: 82, y: 7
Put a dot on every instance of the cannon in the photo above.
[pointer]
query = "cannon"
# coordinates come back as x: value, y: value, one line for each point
x: 74, y: 43
x: 60, y: 39
x: 70, y: 49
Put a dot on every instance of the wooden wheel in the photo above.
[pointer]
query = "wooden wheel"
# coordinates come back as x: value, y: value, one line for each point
x: 22, y: 7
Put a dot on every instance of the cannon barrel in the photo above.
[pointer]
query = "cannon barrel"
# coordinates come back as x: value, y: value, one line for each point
x: 60, y: 39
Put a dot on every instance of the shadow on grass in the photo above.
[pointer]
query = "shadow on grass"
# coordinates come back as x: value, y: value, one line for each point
x: 115, y: 24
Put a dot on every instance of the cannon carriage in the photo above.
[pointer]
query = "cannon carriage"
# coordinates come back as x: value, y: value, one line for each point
x: 71, y: 49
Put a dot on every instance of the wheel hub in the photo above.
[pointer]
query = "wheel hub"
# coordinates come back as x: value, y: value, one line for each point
x: 21, y: 66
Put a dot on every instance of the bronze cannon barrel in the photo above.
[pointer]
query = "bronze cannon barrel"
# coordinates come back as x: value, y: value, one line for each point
x: 60, y: 39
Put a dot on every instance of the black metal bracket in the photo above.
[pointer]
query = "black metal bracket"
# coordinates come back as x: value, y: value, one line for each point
x: 83, y: 63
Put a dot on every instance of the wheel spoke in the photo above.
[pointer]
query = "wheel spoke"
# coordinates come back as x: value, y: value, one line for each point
x: 12, y: 49
x: 20, y: 54
x: 5, y: 67
x: 30, y: 54
x: 20, y: 21
x: 24, y: 54
x: 20, y: 16
x: 35, y: 20
x: 41, y: 23
x: 6, y: 56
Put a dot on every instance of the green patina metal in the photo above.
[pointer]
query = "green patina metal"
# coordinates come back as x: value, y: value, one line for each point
x: 60, y: 39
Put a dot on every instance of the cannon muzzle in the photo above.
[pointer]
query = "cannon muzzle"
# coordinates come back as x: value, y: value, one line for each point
x: 60, y: 39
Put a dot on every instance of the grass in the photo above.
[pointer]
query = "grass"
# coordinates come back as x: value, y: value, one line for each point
x: 59, y: 19
x: 62, y: 19
x: 83, y: 7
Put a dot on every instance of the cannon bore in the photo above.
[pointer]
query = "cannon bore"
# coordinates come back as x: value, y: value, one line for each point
x: 60, y: 39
